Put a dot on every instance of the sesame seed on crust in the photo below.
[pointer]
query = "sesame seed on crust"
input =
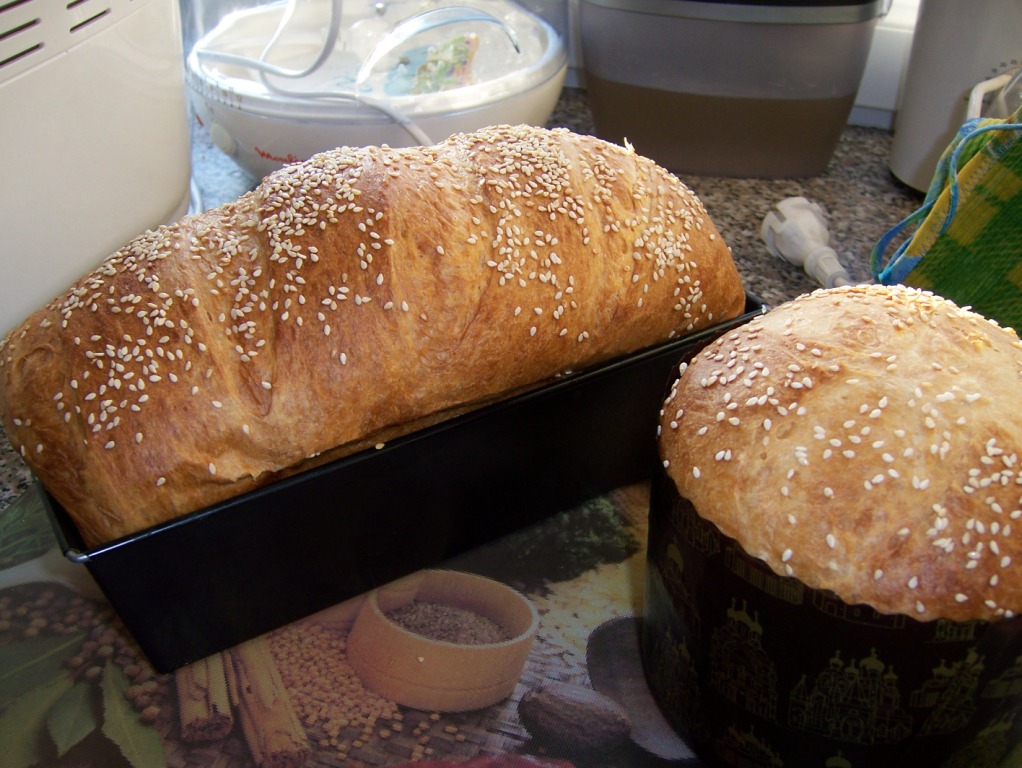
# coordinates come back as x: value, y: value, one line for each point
x: 907, y: 485
x: 346, y: 298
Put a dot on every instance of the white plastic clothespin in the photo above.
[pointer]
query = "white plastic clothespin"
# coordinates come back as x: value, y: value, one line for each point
x: 796, y: 231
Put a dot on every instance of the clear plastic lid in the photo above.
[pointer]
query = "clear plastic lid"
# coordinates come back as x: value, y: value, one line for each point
x: 331, y: 58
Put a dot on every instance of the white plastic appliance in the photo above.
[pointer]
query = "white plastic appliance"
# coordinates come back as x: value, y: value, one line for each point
x: 278, y: 81
x: 956, y: 45
x: 94, y: 138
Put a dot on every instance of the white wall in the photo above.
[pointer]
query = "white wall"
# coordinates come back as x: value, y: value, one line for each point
x: 881, y: 81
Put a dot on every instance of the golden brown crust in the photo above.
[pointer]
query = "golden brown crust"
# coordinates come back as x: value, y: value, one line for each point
x: 363, y: 289
x: 865, y: 440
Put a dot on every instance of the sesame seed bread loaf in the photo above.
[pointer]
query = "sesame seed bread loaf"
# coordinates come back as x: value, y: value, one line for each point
x: 343, y: 301
x: 865, y: 440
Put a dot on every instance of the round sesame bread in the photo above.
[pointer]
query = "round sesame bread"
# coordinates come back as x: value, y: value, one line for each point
x: 346, y: 299
x: 864, y: 440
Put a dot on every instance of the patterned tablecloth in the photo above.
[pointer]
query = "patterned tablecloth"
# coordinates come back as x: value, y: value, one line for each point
x: 75, y: 690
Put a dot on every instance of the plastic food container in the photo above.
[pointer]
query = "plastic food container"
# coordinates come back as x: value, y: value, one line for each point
x: 272, y: 88
x: 724, y: 88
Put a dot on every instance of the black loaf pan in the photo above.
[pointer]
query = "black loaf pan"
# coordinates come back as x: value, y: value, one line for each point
x: 205, y: 582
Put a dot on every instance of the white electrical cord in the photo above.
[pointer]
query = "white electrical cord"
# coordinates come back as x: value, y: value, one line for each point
x: 264, y: 67
x: 1005, y: 85
x: 796, y: 231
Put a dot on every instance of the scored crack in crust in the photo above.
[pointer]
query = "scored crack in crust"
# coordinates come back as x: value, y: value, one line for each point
x: 865, y: 440
x: 345, y: 299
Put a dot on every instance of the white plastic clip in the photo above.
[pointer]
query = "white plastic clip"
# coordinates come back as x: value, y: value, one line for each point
x: 796, y: 231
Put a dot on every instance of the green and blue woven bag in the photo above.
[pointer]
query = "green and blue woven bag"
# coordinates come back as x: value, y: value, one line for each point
x: 965, y: 241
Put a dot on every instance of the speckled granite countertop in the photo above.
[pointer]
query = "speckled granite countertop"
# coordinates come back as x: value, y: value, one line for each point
x: 857, y: 192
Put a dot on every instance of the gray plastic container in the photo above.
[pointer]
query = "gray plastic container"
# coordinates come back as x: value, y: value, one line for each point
x: 753, y: 89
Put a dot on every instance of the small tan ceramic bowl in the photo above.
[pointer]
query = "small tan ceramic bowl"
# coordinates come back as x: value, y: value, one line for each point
x: 437, y: 675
